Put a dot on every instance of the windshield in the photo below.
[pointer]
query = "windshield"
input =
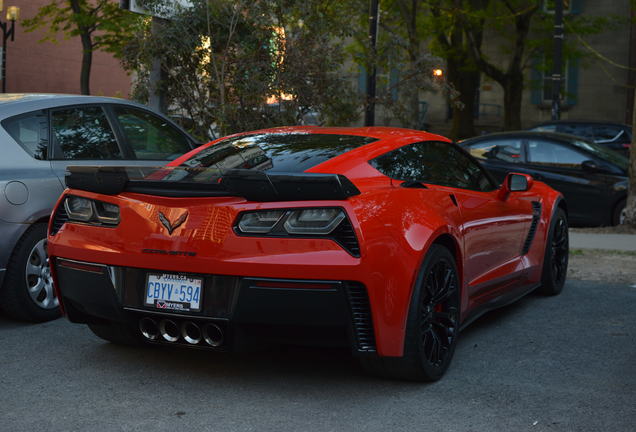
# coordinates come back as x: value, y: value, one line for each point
x: 603, y: 153
x: 277, y: 152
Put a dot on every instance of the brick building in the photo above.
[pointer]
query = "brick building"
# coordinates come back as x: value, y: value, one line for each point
x: 55, y: 68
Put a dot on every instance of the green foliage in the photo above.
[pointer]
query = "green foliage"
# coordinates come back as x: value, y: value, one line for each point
x: 223, y: 59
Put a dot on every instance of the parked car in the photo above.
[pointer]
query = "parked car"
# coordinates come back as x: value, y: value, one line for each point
x: 384, y: 240
x: 615, y: 136
x: 40, y: 136
x: 592, y: 178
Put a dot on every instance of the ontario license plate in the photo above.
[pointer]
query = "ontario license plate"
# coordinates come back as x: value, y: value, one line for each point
x: 174, y: 292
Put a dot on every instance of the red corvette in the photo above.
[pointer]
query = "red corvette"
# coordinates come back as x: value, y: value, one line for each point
x: 385, y: 240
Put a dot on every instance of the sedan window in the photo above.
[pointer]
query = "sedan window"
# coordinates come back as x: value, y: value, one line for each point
x: 505, y: 150
x: 84, y: 133
x: 151, y: 137
x: 541, y: 152
x: 31, y: 131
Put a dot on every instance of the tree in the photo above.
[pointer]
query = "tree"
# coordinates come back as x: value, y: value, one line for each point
x: 452, y: 38
x: 100, y: 24
x: 224, y: 60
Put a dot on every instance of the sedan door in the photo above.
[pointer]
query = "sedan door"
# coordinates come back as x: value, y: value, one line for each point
x: 559, y: 165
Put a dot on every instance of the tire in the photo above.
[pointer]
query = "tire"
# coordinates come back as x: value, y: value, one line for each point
x: 432, y: 324
x: 27, y: 293
x: 555, y: 260
x: 116, y: 333
x: 618, y: 217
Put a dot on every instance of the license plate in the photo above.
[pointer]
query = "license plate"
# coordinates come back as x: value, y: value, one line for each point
x: 174, y: 292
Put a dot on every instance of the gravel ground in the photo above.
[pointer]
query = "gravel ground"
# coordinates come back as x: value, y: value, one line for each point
x: 604, y: 266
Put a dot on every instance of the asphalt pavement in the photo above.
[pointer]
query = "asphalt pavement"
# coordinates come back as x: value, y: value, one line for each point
x: 566, y: 363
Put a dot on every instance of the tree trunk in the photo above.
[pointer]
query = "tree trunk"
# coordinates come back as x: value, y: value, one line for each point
x: 630, y: 216
x: 463, y: 106
x: 513, y: 97
x: 87, y: 50
x: 87, y: 60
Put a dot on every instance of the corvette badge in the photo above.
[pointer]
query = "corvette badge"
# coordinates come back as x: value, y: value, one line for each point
x: 172, y: 226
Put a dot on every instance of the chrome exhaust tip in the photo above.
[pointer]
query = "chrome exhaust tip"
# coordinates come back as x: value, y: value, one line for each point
x: 213, y: 335
x: 148, y: 328
x: 169, y: 330
x: 191, y: 332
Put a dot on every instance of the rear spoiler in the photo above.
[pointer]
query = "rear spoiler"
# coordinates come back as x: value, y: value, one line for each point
x: 210, y: 182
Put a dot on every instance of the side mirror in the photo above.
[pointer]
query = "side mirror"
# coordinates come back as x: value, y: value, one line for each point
x: 515, y: 182
x: 590, y: 166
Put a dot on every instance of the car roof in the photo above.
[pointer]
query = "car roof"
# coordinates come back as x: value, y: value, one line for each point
x: 523, y: 134
x: 17, y: 103
x: 580, y: 122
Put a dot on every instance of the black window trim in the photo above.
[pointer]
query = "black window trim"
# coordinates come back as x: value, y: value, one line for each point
x: 494, y: 184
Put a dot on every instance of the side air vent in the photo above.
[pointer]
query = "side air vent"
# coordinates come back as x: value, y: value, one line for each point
x: 59, y: 219
x: 536, y: 216
x: 346, y: 237
x: 361, y: 316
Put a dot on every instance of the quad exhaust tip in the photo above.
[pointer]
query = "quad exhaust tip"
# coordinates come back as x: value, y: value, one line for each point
x: 169, y: 330
x: 189, y: 331
x: 213, y: 335
x: 149, y: 328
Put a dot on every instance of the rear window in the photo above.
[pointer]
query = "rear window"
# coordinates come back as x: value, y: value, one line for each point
x: 288, y: 152
x: 31, y: 131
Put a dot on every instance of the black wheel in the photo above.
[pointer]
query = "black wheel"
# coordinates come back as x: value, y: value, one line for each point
x: 432, y: 324
x: 116, y: 333
x: 620, y: 213
x: 555, y: 261
x: 27, y: 291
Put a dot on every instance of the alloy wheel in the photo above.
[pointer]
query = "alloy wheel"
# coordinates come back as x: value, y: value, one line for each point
x: 38, y: 277
x: 439, y: 315
x: 559, y: 259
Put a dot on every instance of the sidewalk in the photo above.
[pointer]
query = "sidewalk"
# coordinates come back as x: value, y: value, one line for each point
x: 620, y: 242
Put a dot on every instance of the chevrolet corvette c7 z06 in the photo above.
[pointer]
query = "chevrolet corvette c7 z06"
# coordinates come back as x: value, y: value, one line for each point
x: 385, y: 240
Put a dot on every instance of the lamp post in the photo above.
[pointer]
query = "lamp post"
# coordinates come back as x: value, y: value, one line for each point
x: 13, y: 13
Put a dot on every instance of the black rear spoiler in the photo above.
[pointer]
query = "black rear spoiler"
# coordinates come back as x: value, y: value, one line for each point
x: 210, y: 182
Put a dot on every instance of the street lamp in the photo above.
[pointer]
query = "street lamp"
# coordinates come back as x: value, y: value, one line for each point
x: 13, y: 13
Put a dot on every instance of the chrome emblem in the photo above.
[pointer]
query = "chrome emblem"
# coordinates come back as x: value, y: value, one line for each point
x: 171, y: 227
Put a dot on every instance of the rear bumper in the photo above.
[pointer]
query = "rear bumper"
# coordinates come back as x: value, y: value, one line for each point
x: 247, y: 309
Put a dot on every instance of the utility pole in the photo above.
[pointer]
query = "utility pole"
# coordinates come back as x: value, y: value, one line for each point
x: 369, y: 115
x: 557, y: 66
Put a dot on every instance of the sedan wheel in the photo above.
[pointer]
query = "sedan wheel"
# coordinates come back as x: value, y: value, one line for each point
x: 27, y: 291
x: 38, y: 277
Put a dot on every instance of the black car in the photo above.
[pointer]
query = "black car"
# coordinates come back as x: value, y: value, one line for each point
x: 615, y: 136
x: 592, y: 178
